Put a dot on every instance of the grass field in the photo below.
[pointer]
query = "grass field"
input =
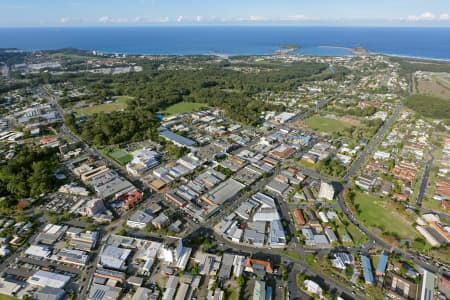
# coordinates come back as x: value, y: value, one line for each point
x: 379, y: 213
x: 184, y: 107
x: 6, y: 297
x: 119, y: 104
x: 325, y: 124
x: 121, y: 156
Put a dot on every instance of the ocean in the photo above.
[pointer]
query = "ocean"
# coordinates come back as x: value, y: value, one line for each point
x: 234, y: 40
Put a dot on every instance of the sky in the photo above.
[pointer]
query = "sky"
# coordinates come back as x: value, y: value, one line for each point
x: 30, y: 13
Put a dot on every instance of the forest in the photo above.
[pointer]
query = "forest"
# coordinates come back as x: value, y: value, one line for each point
x: 29, y: 174
x: 430, y: 107
x: 153, y: 90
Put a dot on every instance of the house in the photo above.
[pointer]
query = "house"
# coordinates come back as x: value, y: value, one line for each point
x: 257, y: 266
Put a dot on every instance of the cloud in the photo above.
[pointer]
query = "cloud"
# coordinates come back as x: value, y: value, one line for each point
x: 180, y: 19
x: 64, y: 20
x: 297, y: 18
x: 256, y: 19
x: 70, y: 20
x: 104, y: 19
x: 164, y: 19
x: 428, y: 16
x: 199, y: 18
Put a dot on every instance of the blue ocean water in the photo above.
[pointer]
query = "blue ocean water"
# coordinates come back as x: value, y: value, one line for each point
x: 233, y: 40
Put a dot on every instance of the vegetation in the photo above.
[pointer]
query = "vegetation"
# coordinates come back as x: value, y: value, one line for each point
x: 104, y: 107
x: 325, y: 124
x: 184, y: 107
x: 115, y: 128
x: 158, y: 89
x: 379, y: 213
x: 430, y: 107
x: 29, y: 174
x: 121, y: 156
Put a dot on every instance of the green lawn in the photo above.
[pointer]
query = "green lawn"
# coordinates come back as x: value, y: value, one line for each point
x: 184, y: 107
x: 120, y: 103
x: 121, y: 156
x: 380, y: 213
x: 7, y: 297
x: 325, y: 124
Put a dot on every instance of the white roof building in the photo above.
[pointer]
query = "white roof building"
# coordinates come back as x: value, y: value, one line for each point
x: 143, y: 160
x: 139, y: 219
x: 326, y: 191
x: 312, y: 287
x: 114, y: 257
x: 38, y: 251
x: 44, y: 278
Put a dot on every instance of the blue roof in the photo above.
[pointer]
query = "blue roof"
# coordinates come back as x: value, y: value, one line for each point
x: 177, y: 138
x: 382, y: 263
x: 367, y: 269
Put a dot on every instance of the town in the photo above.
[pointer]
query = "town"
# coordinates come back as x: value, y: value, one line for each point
x: 331, y: 186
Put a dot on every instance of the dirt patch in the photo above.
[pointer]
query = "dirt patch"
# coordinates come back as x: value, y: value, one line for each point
x: 350, y: 121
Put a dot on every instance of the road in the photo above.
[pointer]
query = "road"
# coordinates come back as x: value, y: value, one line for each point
x: 370, y: 148
x: 425, y: 178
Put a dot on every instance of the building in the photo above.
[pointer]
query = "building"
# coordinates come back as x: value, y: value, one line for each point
x: 50, y: 293
x: 401, y: 288
x: 145, y: 294
x: 143, y: 160
x: 178, y: 140
x: 427, y: 287
x: 258, y: 266
x: 104, y: 292
x: 326, y: 191
x: 312, y: 287
x: 259, y: 291
x: 139, y: 219
x: 367, y: 269
x: 299, y: 218
x: 43, y: 278
x: 382, y: 263
x: 114, y: 258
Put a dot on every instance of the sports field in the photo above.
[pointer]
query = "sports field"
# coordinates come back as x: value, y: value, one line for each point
x: 325, y: 124
x: 121, y: 156
x: 120, y: 103
x: 184, y: 107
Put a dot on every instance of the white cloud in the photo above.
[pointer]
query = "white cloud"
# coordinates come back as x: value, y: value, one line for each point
x: 256, y: 18
x: 104, y: 19
x: 199, y: 18
x: 428, y: 16
x: 64, y: 20
x: 297, y: 18
x: 180, y: 19
x: 444, y: 17
x: 164, y: 19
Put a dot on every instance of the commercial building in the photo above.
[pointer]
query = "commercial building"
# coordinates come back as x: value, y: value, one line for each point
x: 139, y: 219
x: 114, y: 257
x: 299, y: 218
x: 143, y: 160
x: 43, y: 278
x: 382, y: 263
x: 326, y: 191
x: 367, y: 269
x: 178, y: 140
x: 427, y: 287
x: 104, y: 292
x: 223, y: 192
x: 259, y: 291
x: 312, y: 287
x: 50, y: 293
